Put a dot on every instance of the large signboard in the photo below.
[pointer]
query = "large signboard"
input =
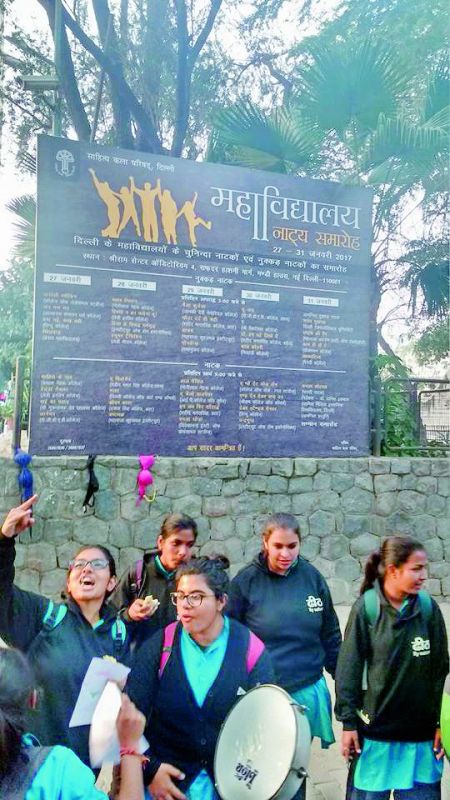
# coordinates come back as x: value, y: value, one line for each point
x: 195, y: 309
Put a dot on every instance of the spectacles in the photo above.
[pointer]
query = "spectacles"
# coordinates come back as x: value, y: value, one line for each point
x: 194, y: 599
x: 96, y: 563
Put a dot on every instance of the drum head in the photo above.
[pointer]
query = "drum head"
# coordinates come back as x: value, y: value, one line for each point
x: 258, y: 745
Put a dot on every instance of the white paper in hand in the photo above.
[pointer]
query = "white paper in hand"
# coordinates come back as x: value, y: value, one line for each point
x: 100, y: 671
x: 104, y: 747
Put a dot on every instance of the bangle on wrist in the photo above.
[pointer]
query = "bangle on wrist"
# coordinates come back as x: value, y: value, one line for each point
x: 130, y: 751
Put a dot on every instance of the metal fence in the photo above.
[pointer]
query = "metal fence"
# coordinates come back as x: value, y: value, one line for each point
x: 411, y: 416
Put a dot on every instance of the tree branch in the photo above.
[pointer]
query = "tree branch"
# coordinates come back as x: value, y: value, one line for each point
x: 206, y: 30
x: 187, y: 57
x: 25, y: 48
x: 184, y: 74
x: 42, y: 123
x: 385, y: 345
x: 68, y: 79
x: 121, y: 114
x: 149, y: 136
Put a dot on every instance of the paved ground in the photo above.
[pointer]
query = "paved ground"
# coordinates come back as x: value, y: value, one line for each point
x: 327, y: 768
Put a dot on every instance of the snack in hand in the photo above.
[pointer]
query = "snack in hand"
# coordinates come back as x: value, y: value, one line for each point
x: 151, y: 602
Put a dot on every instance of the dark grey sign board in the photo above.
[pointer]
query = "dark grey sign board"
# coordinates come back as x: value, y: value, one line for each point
x: 194, y: 309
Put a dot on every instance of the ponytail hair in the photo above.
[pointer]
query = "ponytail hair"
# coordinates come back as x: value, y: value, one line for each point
x: 394, y: 551
x: 16, y: 686
x: 372, y: 571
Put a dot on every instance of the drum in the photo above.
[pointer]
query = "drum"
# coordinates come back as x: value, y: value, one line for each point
x: 263, y: 747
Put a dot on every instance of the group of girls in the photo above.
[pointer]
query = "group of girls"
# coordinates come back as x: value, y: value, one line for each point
x: 189, y: 659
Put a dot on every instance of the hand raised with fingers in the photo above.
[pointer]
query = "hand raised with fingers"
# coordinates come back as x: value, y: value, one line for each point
x: 19, y: 519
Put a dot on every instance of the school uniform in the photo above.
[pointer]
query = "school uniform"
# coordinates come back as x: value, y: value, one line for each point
x: 404, y: 656
x: 186, y: 706
x: 294, y: 616
x: 62, y: 776
x: 155, y: 580
x: 60, y: 644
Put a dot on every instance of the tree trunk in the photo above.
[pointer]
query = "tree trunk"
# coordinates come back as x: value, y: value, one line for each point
x: 108, y: 37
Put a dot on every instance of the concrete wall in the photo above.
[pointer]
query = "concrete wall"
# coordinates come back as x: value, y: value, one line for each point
x: 344, y: 507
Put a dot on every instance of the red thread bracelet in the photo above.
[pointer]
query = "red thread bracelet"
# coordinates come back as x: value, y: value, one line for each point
x: 130, y: 751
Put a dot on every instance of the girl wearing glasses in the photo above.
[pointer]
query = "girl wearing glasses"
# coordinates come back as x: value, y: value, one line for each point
x: 186, y: 693
x: 60, y: 639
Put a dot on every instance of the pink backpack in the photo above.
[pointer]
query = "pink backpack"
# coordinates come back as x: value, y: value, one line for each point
x: 254, y: 650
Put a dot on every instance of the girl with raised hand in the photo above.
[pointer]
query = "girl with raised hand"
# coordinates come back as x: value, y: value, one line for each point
x: 60, y: 639
x: 389, y: 679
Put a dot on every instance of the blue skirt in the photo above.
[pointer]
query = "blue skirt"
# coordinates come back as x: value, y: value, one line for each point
x: 316, y: 698
x: 396, y: 765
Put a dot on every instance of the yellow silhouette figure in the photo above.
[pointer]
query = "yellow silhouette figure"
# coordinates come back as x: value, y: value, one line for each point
x: 169, y: 216
x: 149, y: 216
x: 188, y: 210
x: 125, y: 194
x: 112, y: 204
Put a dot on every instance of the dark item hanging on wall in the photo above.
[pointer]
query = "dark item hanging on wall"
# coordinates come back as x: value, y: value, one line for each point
x: 92, y: 487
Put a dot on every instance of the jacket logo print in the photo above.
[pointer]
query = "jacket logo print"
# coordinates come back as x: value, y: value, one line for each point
x: 420, y: 647
x: 314, y: 604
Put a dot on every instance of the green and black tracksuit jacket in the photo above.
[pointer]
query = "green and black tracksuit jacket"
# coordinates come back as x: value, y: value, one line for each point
x: 405, y: 658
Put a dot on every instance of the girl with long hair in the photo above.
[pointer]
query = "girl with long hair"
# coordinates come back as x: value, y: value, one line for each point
x: 389, y: 679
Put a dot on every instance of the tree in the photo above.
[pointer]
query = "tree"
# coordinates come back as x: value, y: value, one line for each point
x: 165, y: 66
x: 432, y: 346
x: 16, y: 314
x: 346, y: 121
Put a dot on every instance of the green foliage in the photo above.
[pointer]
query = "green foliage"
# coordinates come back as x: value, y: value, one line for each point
x: 358, y: 115
x: 346, y: 88
x: 400, y: 415
x: 282, y: 142
x: 16, y: 312
x: 428, y: 277
x: 24, y: 209
x: 400, y: 427
x: 433, y: 345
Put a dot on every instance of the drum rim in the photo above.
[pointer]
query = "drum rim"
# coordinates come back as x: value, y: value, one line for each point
x: 291, y: 702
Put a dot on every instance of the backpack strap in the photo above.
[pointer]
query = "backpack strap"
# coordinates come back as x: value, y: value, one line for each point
x: 254, y: 650
x: 119, y: 635
x: 426, y: 605
x: 136, y: 583
x: 15, y: 784
x: 139, y: 571
x: 169, y: 636
x: 54, y: 615
x: 371, y: 613
x: 371, y: 606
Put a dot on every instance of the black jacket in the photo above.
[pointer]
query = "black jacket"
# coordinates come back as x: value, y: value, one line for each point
x: 407, y: 661
x: 59, y: 656
x: 179, y: 732
x: 294, y: 616
x: 154, y: 582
